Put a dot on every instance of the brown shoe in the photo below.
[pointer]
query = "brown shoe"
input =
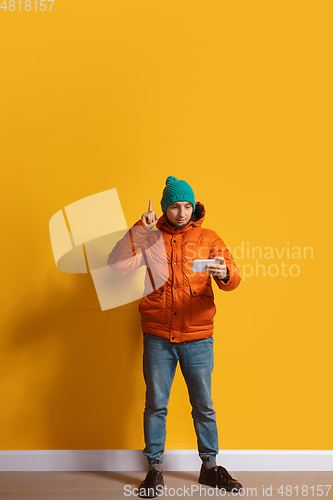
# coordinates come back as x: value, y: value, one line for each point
x: 152, y: 485
x: 219, y: 477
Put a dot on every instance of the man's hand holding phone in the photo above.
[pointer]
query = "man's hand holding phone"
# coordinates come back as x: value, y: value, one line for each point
x: 150, y: 218
x: 218, y: 270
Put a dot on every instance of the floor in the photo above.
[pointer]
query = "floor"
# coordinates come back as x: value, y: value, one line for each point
x: 121, y: 485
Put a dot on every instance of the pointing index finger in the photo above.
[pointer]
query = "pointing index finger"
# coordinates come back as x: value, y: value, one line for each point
x: 150, y: 206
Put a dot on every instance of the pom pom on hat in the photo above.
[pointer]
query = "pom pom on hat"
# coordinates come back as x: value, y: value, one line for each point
x: 176, y: 190
x: 170, y: 179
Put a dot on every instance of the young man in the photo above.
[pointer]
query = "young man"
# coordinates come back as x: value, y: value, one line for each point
x: 177, y: 317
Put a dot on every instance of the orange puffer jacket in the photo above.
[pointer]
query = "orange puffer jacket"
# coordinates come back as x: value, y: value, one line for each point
x: 178, y: 304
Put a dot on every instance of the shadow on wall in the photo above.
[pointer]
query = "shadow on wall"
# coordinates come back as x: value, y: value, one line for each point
x: 71, y: 374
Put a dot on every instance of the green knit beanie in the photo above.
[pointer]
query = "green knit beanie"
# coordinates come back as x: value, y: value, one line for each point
x: 176, y: 190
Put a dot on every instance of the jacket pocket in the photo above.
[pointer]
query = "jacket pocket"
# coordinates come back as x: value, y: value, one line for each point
x: 203, y: 309
x: 152, y: 307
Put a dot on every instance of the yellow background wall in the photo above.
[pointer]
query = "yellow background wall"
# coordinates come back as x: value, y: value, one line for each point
x: 233, y: 97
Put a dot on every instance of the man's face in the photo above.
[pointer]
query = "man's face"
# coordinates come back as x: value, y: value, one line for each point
x: 179, y: 213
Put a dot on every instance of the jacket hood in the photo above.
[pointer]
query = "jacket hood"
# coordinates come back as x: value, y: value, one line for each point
x: 196, y: 220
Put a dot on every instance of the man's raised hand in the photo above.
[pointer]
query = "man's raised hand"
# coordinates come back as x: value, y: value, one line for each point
x: 218, y: 270
x: 149, y: 218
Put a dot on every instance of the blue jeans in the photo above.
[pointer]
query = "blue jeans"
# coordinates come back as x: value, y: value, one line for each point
x: 196, y: 359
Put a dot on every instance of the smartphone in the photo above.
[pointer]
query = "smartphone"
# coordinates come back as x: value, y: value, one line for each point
x: 199, y: 265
